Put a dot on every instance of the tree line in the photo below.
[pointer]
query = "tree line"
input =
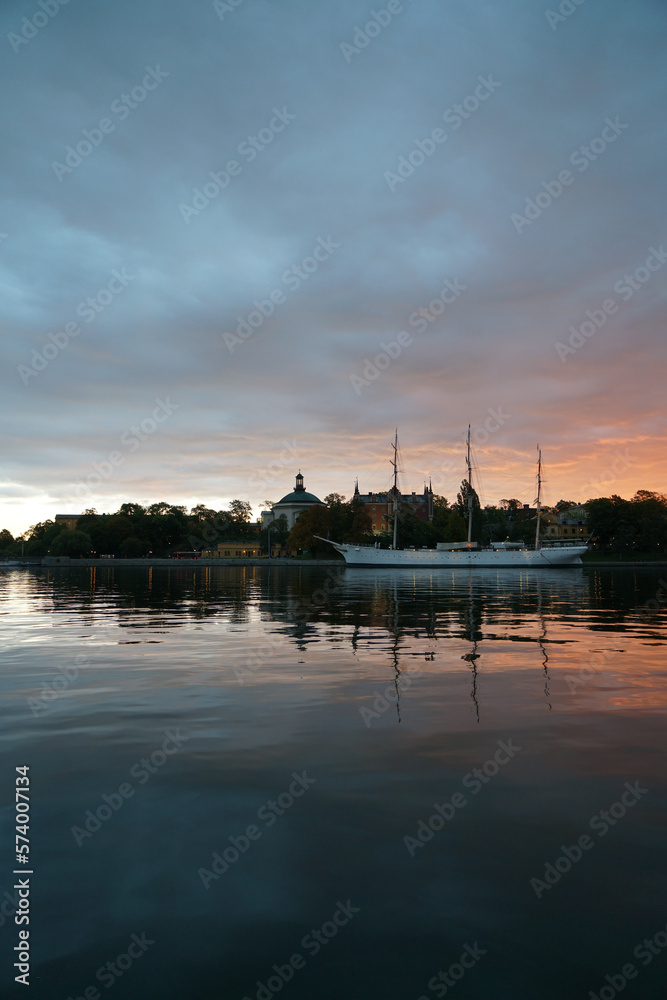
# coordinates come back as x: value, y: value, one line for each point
x: 159, y: 530
x: 631, y: 526
x: 134, y: 531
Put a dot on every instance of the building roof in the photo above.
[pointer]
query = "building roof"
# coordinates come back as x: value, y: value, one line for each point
x: 298, y: 494
x: 388, y: 497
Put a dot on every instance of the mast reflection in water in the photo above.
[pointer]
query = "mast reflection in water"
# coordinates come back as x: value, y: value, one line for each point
x: 385, y: 689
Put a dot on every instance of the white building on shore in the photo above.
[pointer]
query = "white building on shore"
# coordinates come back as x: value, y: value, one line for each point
x: 291, y: 505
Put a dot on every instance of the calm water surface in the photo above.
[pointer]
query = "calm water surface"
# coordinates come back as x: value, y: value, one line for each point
x: 240, y: 767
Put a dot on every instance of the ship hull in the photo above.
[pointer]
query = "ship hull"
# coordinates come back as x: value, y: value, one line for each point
x: 360, y: 555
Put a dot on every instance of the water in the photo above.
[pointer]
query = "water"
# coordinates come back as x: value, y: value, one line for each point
x: 372, y: 696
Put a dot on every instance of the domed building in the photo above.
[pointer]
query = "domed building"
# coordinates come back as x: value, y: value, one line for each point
x: 291, y: 505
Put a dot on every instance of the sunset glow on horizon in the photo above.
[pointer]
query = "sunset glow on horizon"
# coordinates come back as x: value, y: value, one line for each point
x: 248, y: 245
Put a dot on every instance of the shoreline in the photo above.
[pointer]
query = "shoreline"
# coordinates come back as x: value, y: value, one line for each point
x: 50, y: 562
x: 60, y: 562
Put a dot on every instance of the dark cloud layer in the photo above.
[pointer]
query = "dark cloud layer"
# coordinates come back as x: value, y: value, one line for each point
x: 320, y: 134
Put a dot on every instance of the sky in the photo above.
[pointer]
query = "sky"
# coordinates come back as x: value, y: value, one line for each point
x: 219, y: 223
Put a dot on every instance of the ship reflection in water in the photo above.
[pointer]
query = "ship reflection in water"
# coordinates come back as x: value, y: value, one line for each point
x: 412, y: 749
x: 486, y: 608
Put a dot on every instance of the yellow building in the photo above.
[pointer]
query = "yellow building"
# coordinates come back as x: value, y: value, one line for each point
x: 568, y: 525
x: 230, y: 550
x: 67, y: 521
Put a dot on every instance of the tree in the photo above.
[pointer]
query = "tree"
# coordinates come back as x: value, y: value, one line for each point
x: 39, y: 530
x: 360, y: 528
x: 72, y: 543
x: 649, y: 512
x: 202, y: 513
x: 610, y: 518
x: 276, y: 532
x: 107, y: 531
x: 241, y: 511
x: 334, y: 499
x: 40, y: 537
x: 512, y: 504
x: 465, y: 491
x: 340, y: 518
x: 565, y: 505
x: 461, y: 508
x: 495, y: 527
x: 134, y: 510
x: 132, y: 548
x: 162, y: 507
x: 6, y: 541
x: 311, y: 522
x: 454, y: 529
x: 411, y: 531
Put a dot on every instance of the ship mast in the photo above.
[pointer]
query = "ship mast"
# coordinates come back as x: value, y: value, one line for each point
x: 469, y: 491
x: 395, y: 464
x: 539, y: 490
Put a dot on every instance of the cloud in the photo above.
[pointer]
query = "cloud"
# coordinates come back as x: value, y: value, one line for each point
x: 323, y: 176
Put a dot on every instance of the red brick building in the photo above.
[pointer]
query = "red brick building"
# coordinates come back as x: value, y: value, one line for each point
x: 381, y: 505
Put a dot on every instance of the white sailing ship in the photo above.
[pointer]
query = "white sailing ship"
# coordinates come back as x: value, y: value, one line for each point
x: 463, y: 554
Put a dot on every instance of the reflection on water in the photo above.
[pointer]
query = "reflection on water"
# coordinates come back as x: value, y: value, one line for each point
x: 386, y: 689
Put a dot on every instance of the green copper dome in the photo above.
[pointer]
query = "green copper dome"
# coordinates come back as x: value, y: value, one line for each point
x: 298, y: 494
